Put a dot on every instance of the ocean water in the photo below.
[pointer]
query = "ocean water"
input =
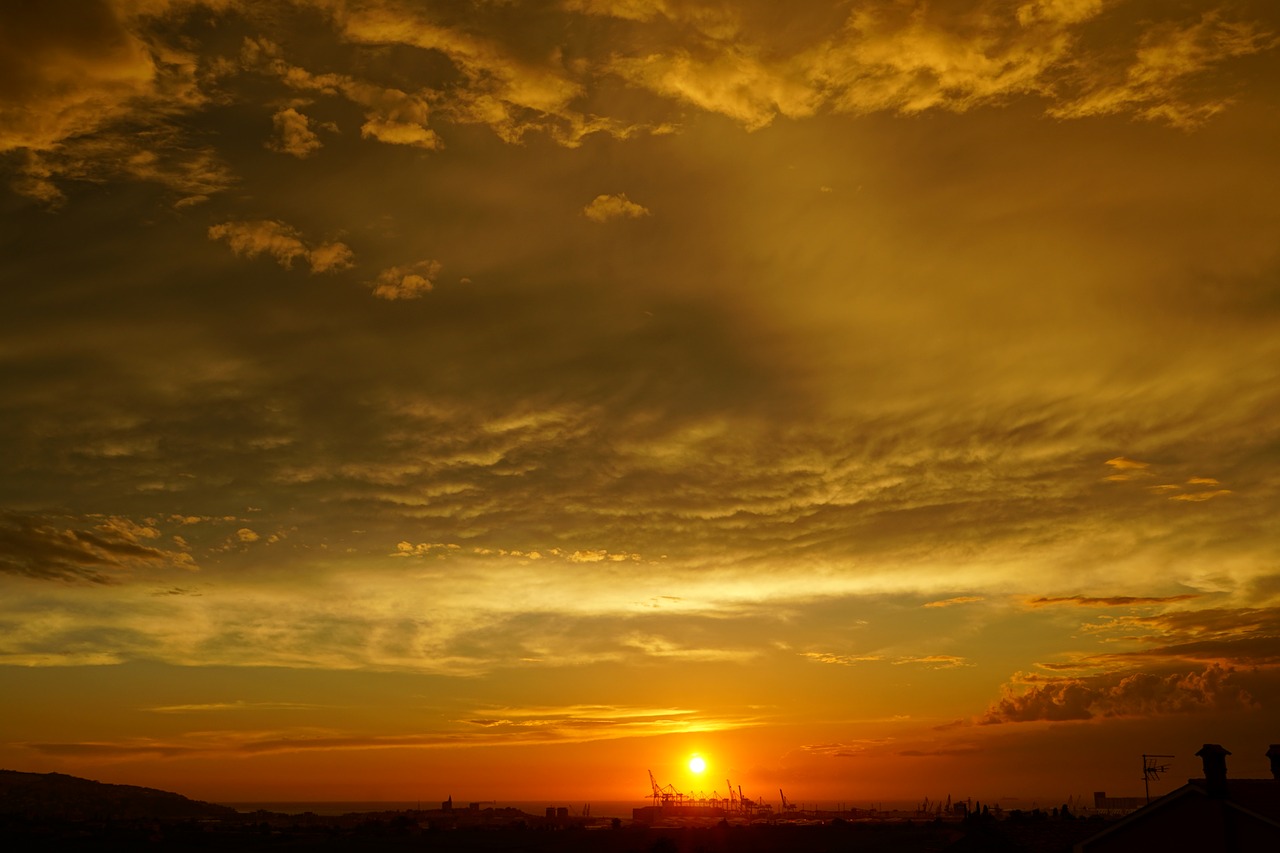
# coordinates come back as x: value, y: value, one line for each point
x: 603, y: 809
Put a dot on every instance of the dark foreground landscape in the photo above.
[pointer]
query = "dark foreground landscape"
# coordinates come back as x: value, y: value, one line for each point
x: 53, y: 811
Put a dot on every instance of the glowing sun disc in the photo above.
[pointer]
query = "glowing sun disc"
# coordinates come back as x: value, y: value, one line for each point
x: 696, y: 764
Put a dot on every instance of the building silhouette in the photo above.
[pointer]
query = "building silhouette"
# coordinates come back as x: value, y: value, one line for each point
x: 1215, y: 814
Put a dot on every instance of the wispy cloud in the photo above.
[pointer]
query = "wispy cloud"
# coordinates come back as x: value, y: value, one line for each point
x: 1112, y: 600
x: 934, y: 661
x: 1206, y: 495
x: 124, y: 750
x: 951, y: 602
x: 909, y: 59
x: 931, y: 661
x: 239, y: 705
x: 1157, y: 83
x: 1127, y: 469
x: 846, y: 748
x: 489, y: 727
x: 841, y: 660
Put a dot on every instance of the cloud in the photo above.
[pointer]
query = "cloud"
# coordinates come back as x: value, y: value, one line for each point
x: 597, y: 555
x: 510, y: 94
x: 1127, y: 469
x: 1242, y: 637
x: 729, y: 80
x: 88, y: 94
x: 1121, y: 463
x: 124, y: 750
x: 840, y: 660
x: 239, y: 705
x: 484, y: 727
x: 293, y: 134
x: 1155, y: 85
x: 99, y: 550
x: 1133, y: 694
x: 656, y: 647
x: 931, y: 661
x: 490, y: 83
x: 909, y: 58
x: 408, y: 282
x: 968, y: 749
x: 951, y: 602
x: 391, y: 115
x: 844, y: 749
x: 605, y: 207
x: 69, y: 69
x: 723, y: 22
x: 1111, y: 601
x: 1201, y: 496
x: 101, y: 90
x: 935, y: 661
x: 282, y: 242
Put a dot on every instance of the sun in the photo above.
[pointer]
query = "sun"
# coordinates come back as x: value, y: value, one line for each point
x: 697, y: 764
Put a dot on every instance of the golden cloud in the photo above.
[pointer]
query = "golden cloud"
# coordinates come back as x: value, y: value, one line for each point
x: 293, y: 134
x: 605, y: 207
x: 282, y: 242
x: 408, y: 282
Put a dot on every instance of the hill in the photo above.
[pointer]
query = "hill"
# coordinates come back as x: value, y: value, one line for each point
x: 62, y: 797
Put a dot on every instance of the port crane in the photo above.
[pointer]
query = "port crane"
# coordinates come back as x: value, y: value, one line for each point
x: 750, y: 806
x: 786, y: 806
x: 665, y: 794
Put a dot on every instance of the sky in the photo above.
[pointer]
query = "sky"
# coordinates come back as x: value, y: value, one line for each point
x: 503, y: 399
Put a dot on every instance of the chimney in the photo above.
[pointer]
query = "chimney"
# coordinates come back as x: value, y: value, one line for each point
x: 1214, y: 757
x: 1274, y: 754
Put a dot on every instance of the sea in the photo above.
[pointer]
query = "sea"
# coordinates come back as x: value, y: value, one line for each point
x: 605, y: 809
x: 600, y: 808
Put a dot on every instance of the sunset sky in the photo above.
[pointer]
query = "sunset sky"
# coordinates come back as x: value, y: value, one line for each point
x: 503, y: 399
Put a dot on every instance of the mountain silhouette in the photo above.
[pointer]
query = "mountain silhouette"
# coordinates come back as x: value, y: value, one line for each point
x: 56, y: 795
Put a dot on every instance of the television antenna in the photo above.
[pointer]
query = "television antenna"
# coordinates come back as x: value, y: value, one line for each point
x: 1151, y: 770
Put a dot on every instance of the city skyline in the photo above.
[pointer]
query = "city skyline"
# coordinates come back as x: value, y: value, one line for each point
x: 877, y: 399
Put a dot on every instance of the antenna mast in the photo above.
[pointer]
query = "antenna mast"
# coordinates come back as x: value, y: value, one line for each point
x: 1151, y: 769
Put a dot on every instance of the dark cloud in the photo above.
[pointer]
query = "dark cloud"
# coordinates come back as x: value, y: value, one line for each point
x: 1131, y: 694
x: 1111, y: 601
x: 970, y: 749
x: 114, y: 750
x: 100, y: 550
x: 90, y: 96
x: 1240, y: 636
